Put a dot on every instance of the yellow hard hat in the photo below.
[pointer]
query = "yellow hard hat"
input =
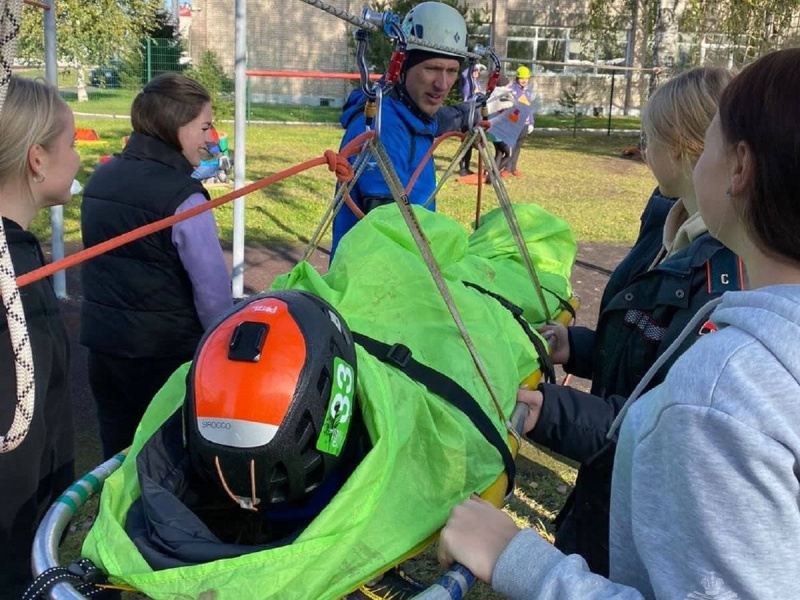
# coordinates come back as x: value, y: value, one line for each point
x: 523, y: 72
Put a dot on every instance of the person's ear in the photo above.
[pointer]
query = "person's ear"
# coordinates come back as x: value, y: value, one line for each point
x: 36, y: 159
x: 742, y: 168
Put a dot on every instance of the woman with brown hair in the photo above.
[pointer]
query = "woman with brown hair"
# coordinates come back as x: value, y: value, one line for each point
x: 146, y: 304
x: 38, y: 163
x: 706, y: 482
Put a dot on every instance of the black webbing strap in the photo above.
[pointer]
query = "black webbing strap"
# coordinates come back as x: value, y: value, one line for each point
x: 564, y: 303
x: 545, y: 364
x: 399, y: 356
x: 81, y: 573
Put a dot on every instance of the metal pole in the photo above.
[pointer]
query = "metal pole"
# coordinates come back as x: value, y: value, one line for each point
x: 239, y: 132
x: 176, y: 17
x: 611, y: 101
x: 149, y: 60
x: 56, y: 212
x: 492, y: 24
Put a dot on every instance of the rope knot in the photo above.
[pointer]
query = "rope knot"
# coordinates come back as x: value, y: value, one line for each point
x: 339, y: 165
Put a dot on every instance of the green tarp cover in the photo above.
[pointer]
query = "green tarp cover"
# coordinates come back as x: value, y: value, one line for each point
x: 426, y: 455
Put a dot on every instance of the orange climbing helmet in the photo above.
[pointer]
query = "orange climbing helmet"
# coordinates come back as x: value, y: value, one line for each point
x: 270, y: 398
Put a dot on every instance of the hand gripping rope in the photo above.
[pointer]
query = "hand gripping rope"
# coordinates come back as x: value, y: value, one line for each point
x: 12, y: 302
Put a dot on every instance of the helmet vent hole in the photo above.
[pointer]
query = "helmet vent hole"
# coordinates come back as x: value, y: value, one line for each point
x: 279, y: 483
x: 322, y: 382
x: 305, y: 432
x: 314, y: 466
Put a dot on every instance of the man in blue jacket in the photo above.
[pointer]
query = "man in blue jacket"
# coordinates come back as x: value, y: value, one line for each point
x: 412, y: 112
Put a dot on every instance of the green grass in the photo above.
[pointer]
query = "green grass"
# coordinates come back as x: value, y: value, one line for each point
x: 103, y: 101
x: 582, y: 179
x: 565, y: 122
x: 305, y: 114
x: 66, y: 77
x: 117, y: 101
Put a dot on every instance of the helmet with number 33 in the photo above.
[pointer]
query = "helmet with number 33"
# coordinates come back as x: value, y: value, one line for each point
x: 270, y: 398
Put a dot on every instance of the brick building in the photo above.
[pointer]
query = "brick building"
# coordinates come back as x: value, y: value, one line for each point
x: 289, y: 35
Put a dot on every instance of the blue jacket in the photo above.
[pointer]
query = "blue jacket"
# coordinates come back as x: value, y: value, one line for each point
x: 407, y: 137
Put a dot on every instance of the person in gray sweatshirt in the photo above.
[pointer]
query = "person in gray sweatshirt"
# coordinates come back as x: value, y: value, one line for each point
x: 705, y: 499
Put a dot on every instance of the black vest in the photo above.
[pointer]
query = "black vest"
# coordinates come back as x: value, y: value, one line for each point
x: 138, y: 299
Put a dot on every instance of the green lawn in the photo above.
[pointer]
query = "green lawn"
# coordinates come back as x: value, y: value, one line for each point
x: 581, y: 179
x: 117, y: 101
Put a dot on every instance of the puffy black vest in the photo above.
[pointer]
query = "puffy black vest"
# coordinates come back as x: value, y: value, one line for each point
x: 138, y: 298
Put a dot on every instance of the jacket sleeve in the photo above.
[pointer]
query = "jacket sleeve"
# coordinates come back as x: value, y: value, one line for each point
x: 581, y: 352
x: 197, y: 242
x: 531, y: 569
x: 574, y: 423
x: 454, y: 118
x: 708, y: 496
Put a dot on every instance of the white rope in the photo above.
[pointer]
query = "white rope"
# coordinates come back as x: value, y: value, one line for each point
x: 359, y: 22
x: 10, y: 11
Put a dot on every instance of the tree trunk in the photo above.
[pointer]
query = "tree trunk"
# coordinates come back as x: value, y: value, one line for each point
x: 82, y: 95
x: 630, y: 56
x: 635, y: 86
x: 499, y: 29
x: 665, y: 37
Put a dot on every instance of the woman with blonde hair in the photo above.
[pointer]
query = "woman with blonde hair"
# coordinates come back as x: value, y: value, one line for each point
x: 706, y: 483
x: 38, y: 163
x: 673, y: 269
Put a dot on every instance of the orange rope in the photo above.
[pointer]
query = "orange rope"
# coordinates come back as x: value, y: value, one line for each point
x: 337, y: 163
x: 480, y: 191
x: 429, y: 154
x: 307, y: 74
x: 351, y: 148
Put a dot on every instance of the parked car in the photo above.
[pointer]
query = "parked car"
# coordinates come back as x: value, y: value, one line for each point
x: 106, y: 76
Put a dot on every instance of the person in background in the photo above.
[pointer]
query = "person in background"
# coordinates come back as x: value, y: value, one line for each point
x: 502, y: 99
x: 468, y: 92
x: 38, y: 163
x: 413, y: 112
x: 704, y: 497
x: 521, y: 89
x: 147, y: 303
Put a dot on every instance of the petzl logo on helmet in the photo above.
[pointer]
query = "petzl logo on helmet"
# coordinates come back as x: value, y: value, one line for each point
x: 340, y: 409
x: 271, y: 308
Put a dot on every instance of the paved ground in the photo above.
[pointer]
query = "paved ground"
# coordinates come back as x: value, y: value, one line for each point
x: 261, y: 267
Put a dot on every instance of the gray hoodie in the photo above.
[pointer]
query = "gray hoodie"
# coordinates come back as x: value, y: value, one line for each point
x: 705, y: 500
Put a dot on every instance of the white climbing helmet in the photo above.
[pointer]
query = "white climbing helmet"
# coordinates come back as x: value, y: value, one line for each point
x: 437, y: 23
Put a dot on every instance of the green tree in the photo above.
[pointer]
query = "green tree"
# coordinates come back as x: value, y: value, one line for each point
x: 89, y: 32
x: 571, y: 100
x: 209, y: 73
x: 748, y: 27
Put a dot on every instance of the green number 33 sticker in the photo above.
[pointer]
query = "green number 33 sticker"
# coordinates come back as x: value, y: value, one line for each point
x: 340, y: 409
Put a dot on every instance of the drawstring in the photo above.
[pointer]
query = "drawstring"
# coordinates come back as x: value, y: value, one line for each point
x: 651, y: 372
